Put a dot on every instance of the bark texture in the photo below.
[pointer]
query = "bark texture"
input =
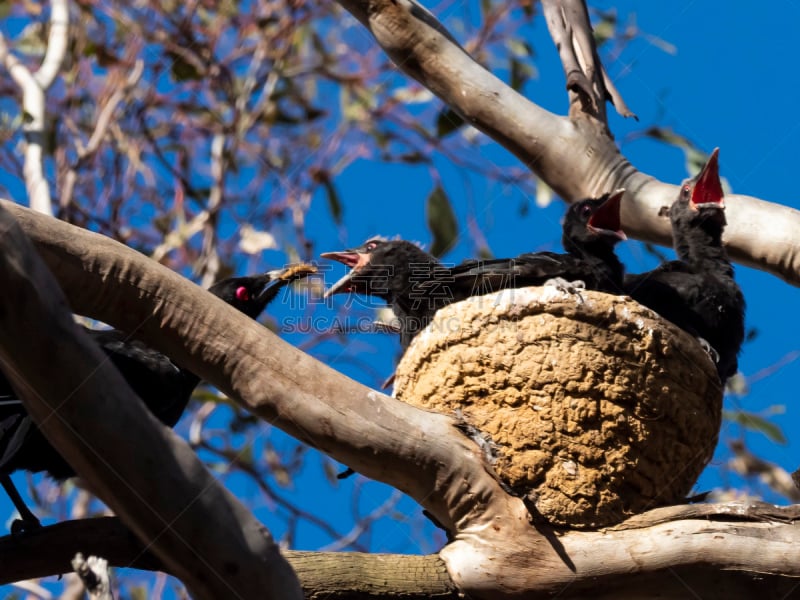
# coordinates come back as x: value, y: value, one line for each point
x: 593, y: 408
x: 87, y: 411
x: 675, y: 552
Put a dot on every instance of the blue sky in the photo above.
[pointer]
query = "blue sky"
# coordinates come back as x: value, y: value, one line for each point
x: 729, y: 85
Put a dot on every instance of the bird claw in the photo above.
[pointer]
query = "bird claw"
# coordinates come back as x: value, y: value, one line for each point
x: 388, y: 381
x: 569, y: 287
x: 21, y: 526
x: 384, y: 327
x: 713, y: 354
x: 348, y: 472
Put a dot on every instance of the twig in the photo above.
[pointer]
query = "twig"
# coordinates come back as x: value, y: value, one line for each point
x: 775, y: 477
x: 209, y: 258
x: 351, y: 538
x: 100, y: 129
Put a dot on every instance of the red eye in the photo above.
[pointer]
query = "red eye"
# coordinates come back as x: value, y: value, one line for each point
x: 242, y: 294
x: 686, y: 190
x: 372, y: 246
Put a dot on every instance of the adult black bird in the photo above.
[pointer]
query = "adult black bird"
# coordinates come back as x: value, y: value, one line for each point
x: 164, y: 386
x: 698, y: 292
x: 416, y: 285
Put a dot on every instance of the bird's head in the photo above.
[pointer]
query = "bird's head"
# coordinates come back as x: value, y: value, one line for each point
x: 251, y: 294
x: 701, y: 198
x: 378, y: 267
x: 595, y: 219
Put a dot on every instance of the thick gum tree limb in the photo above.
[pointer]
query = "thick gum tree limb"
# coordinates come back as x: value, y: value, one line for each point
x: 415, y: 451
x: 338, y: 575
x: 496, y: 550
x: 87, y: 411
x: 575, y: 155
x: 675, y: 552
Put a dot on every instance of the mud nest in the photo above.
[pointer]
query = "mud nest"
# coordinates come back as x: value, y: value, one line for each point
x: 594, y: 407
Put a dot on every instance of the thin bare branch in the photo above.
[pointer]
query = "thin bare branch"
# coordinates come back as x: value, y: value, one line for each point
x: 747, y: 464
x: 33, y: 103
x: 209, y: 257
x: 100, y: 129
x: 56, y: 44
x: 33, y: 126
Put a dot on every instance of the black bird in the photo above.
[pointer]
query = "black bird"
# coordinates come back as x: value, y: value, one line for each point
x: 402, y: 274
x: 164, y: 386
x: 698, y: 292
x: 416, y: 285
x: 590, y: 231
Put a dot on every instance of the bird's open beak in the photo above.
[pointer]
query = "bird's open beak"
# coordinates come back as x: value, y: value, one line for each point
x: 354, y: 260
x: 606, y: 219
x: 707, y: 192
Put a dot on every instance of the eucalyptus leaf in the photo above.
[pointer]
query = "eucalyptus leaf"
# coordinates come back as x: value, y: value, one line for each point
x: 755, y: 422
x: 441, y: 221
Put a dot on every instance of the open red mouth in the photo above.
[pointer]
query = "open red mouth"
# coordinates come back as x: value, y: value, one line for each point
x: 606, y: 219
x: 349, y: 258
x: 707, y: 190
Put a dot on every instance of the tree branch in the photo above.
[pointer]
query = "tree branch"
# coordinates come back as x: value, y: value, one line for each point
x: 100, y: 129
x: 674, y: 551
x: 576, y: 157
x: 33, y: 102
x: 496, y: 551
x: 56, y: 44
x: 415, y: 451
x: 166, y: 496
x: 323, y: 574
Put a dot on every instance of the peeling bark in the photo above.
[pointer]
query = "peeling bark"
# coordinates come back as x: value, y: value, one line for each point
x: 587, y: 81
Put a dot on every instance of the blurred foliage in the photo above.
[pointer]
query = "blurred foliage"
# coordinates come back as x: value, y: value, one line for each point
x: 441, y: 221
x: 758, y: 422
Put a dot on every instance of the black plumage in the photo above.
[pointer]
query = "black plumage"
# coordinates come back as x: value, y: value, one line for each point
x: 164, y: 386
x: 590, y: 232
x: 416, y: 285
x: 698, y: 292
